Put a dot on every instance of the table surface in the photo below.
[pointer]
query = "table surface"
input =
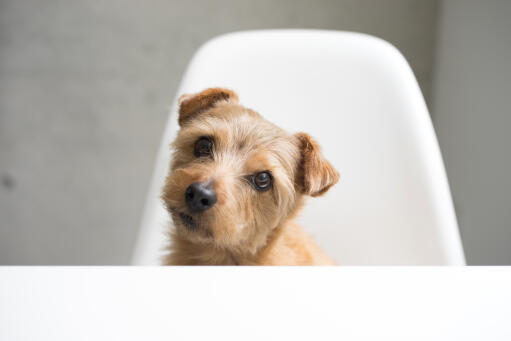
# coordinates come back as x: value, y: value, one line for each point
x: 255, y: 303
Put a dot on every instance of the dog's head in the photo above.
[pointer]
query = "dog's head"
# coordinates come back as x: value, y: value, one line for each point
x: 234, y: 176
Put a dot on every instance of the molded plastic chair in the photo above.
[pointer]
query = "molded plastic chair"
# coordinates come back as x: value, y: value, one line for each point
x: 358, y: 97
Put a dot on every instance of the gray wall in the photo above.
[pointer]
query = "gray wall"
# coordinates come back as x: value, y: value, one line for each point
x: 84, y: 87
x: 472, y: 116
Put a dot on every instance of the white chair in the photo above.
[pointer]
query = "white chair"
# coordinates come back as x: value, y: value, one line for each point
x: 358, y: 97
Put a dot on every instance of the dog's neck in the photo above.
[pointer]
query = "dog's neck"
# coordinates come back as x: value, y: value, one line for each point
x: 185, y: 252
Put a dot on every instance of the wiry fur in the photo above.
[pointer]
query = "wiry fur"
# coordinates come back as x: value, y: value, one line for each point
x: 245, y: 227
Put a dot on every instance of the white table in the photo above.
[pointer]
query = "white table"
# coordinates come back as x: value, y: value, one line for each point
x: 256, y: 303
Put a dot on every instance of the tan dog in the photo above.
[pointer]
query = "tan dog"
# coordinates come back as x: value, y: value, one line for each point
x: 235, y: 184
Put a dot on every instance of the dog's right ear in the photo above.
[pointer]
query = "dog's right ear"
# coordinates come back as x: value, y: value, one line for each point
x: 315, y: 174
x: 191, y: 105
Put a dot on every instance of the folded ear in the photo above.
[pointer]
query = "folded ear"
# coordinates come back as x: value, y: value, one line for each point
x: 315, y: 174
x: 192, y: 105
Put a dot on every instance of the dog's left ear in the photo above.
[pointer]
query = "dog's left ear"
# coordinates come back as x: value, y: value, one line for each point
x: 315, y: 174
x: 191, y: 105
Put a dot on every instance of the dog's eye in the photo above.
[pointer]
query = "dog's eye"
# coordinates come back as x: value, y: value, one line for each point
x: 203, y: 146
x: 262, y: 181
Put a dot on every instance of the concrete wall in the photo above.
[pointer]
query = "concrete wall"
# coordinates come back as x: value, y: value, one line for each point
x: 84, y: 87
x: 472, y: 116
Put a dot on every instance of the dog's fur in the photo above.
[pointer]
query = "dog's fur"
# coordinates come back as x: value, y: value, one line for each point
x: 245, y: 226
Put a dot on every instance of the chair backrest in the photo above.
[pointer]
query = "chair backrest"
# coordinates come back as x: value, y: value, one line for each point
x: 357, y: 96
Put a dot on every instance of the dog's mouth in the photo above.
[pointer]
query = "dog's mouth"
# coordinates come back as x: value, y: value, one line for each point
x: 194, y: 225
x: 188, y: 220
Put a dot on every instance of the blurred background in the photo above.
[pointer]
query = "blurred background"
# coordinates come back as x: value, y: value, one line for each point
x: 85, y: 87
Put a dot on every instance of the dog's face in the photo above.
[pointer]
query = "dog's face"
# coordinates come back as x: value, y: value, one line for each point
x: 234, y: 176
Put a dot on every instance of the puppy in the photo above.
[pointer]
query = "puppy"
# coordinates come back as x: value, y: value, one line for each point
x: 236, y: 182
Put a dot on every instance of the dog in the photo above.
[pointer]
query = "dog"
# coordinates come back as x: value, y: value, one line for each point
x: 235, y: 183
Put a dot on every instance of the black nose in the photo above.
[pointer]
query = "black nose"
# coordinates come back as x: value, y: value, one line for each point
x: 199, y: 197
